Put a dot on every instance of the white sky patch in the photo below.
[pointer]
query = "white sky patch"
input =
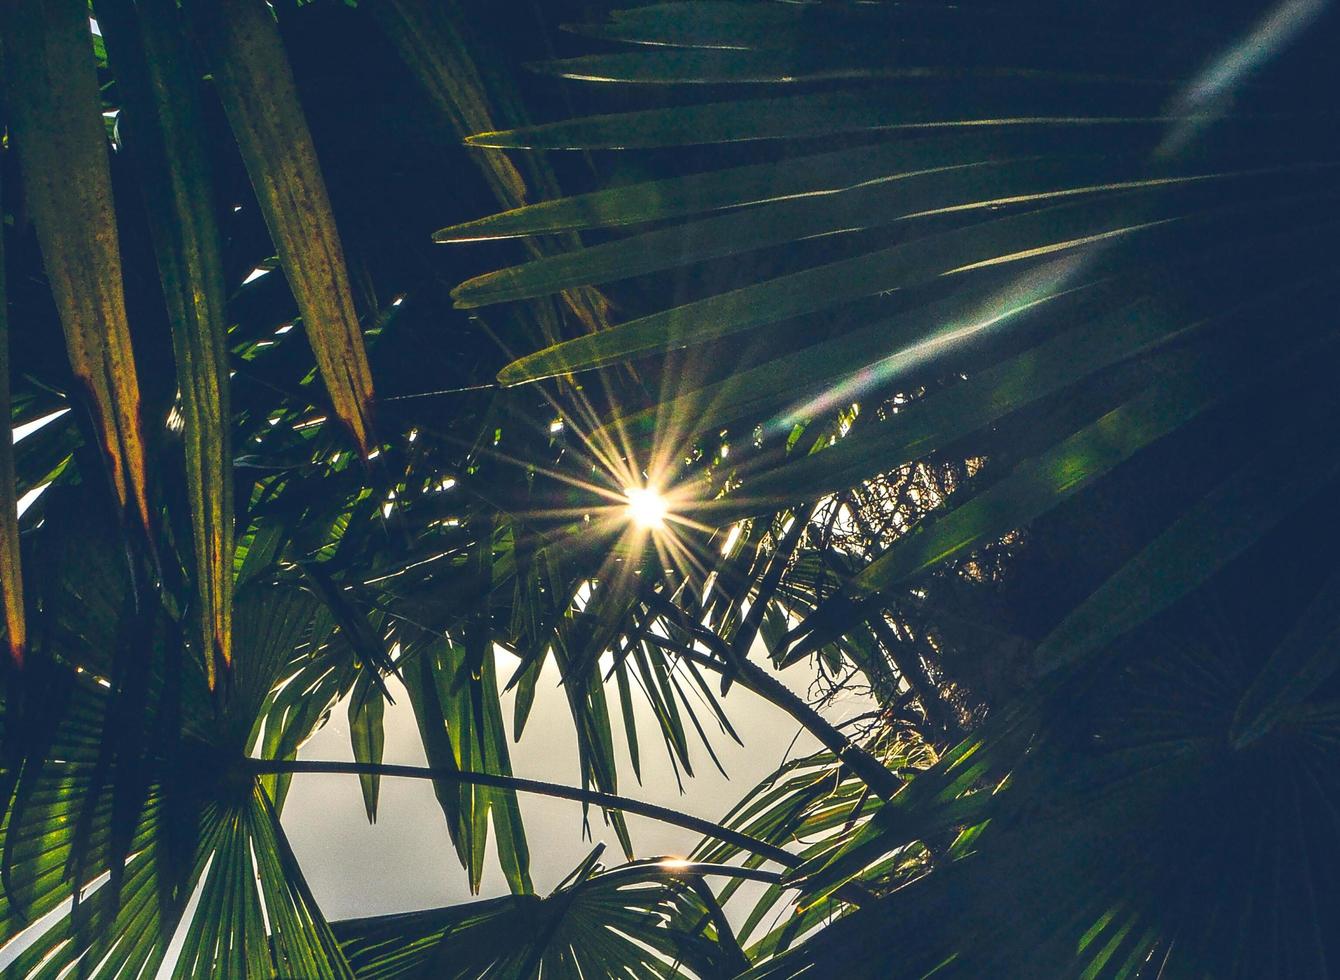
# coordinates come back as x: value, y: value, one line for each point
x: 174, y: 949
x: 16, y: 946
x: 505, y: 660
x: 28, y: 428
x: 30, y: 498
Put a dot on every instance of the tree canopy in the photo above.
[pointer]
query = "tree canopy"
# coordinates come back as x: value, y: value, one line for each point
x: 977, y: 359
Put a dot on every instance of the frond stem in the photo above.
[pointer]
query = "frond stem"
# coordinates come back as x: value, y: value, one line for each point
x: 609, y: 801
x: 883, y: 782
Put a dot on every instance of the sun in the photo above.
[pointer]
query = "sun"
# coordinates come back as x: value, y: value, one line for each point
x: 646, y: 507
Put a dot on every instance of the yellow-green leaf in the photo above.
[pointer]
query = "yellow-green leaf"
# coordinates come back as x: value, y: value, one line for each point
x: 260, y: 98
x: 11, y: 573
x: 58, y: 129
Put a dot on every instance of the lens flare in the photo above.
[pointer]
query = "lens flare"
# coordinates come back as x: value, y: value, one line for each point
x: 646, y: 507
x: 1206, y: 96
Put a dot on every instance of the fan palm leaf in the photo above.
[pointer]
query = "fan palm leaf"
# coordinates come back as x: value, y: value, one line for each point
x: 892, y: 161
x: 639, y: 920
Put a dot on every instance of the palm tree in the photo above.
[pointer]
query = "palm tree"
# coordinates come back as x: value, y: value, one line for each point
x: 979, y: 359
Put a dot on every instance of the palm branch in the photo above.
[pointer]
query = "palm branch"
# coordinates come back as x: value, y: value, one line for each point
x: 1076, y: 258
x: 948, y: 336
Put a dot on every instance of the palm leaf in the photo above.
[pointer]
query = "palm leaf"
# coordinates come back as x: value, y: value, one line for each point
x: 875, y: 217
x: 638, y: 921
x: 461, y: 725
x: 1074, y: 228
x: 258, y: 92
x: 11, y: 571
x: 57, y: 127
x: 959, y: 103
x: 437, y: 47
x: 964, y: 188
x: 367, y: 736
x: 1231, y: 518
x: 239, y: 862
x: 166, y: 133
x: 1052, y: 477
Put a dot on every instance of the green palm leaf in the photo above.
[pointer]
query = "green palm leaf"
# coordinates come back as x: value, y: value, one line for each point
x: 167, y: 136
x: 637, y: 921
x: 178, y: 839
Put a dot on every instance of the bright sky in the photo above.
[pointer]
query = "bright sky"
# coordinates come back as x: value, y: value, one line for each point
x: 405, y: 861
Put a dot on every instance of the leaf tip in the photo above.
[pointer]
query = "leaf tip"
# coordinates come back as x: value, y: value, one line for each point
x: 494, y: 139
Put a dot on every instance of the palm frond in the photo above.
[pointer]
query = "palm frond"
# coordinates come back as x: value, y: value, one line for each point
x: 640, y: 920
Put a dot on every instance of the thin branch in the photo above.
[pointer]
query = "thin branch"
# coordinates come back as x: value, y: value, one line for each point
x: 608, y: 801
x: 937, y: 712
x: 882, y: 781
x: 743, y: 641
